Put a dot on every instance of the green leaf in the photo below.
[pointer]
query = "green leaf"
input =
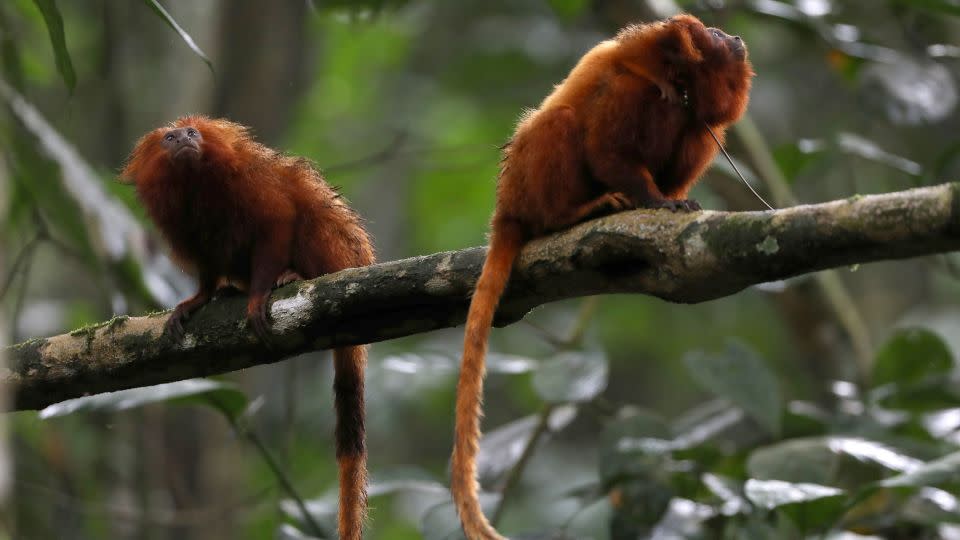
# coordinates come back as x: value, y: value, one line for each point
x: 809, y: 506
x: 793, y: 159
x: 641, y: 503
x: 910, y: 356
x: 222, y: 396
x: 804, y: 419
x: 322, y: 511
x: 502, y: 448
x: 771, y: 494
x: 742, y: 377
x: 632, y: 445
x: 839, y: 461
x: 945, y: 470
x: 929, y: 396
x: 572, y: 376
x: 728, y: 491
x: 106, y: 218
x: 932, y: 506
x: 51, y: 16
x: 634, y: 424
x: 172, y: 23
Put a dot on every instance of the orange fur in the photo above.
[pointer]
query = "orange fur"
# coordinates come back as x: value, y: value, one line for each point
x: 238, y: 212
x: 604, y: 140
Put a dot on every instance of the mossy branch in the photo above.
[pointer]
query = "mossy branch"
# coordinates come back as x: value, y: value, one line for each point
x: 685, y: 258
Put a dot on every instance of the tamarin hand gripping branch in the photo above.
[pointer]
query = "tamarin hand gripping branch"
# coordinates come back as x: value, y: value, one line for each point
x: 237, y: 211
x: 628, y: 128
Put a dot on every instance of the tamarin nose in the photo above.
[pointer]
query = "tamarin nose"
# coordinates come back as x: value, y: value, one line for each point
x: 737, y: 38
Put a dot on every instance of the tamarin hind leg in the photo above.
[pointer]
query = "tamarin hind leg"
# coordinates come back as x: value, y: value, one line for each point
x: 638, y: 184
x: 349, y: 364
x: 288, y: 276
x: 270, y: 257
x: 608, y: 203
x: 183, y: 311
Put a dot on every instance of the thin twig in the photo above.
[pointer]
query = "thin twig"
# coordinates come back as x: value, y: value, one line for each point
x: 383, y: 155
x: 291, y: 397
x: 281, y: 476
x: 21, y: 294
x: 587, y: 309
x: 24, y: 254
x: 243, y: 429
x: 545, y: 335
x: 514, y: 474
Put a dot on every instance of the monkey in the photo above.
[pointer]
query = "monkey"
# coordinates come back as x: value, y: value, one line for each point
x: 627, y: 128
x: 236, y: 211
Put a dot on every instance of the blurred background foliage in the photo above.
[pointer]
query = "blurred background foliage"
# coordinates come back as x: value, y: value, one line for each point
x: 819, y: 407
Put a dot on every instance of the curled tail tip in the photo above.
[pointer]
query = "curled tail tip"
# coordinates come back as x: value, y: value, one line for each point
x: 474, y: 523
x: 478, y: 528
x: 482, y: 532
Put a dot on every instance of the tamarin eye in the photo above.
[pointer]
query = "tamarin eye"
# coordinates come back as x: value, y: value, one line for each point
x: 191, y: 133
x: 169, y: 137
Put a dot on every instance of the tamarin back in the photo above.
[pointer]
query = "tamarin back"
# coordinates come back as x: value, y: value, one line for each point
x: 236, y: 211
x: 626, y: 129
x: 234, y: 200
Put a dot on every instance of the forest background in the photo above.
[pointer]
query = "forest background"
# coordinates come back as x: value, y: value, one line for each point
x: 815, y: 406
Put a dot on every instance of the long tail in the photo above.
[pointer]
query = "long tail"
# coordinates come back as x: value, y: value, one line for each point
x: 505, y: 244
x: 349, y: 364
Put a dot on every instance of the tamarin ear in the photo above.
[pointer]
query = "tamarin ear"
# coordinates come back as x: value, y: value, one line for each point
x: 678, y: 46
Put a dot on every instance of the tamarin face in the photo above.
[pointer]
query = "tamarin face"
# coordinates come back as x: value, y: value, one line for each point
x: 716, y: 46
x: 183, y: 144
x: 724, y: 44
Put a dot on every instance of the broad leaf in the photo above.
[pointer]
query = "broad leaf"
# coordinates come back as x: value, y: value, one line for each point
x: 631, y: 445
x: 728, y: 491
x: 114, y: 229
x: 810, y: 507
x: 770, y: 494
x: 54, y: 22
x: 742, y: 377
x: 222, y: 396
x: 501, y: 448
x: 572, y: 376
x: 172, y: 23
x: 945, y: 470
x: 322, y: 511
x: 910, y: 356
x: 839, y: 461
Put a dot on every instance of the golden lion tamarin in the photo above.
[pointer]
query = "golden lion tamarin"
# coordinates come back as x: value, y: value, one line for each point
x: 237, y: 211
x: 628, y: 128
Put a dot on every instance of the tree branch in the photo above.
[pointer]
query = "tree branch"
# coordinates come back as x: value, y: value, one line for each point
x: 686, y: 258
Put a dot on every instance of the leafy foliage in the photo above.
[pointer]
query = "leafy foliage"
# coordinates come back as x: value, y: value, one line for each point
x: 172, y: 23
x: 51, y: 15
